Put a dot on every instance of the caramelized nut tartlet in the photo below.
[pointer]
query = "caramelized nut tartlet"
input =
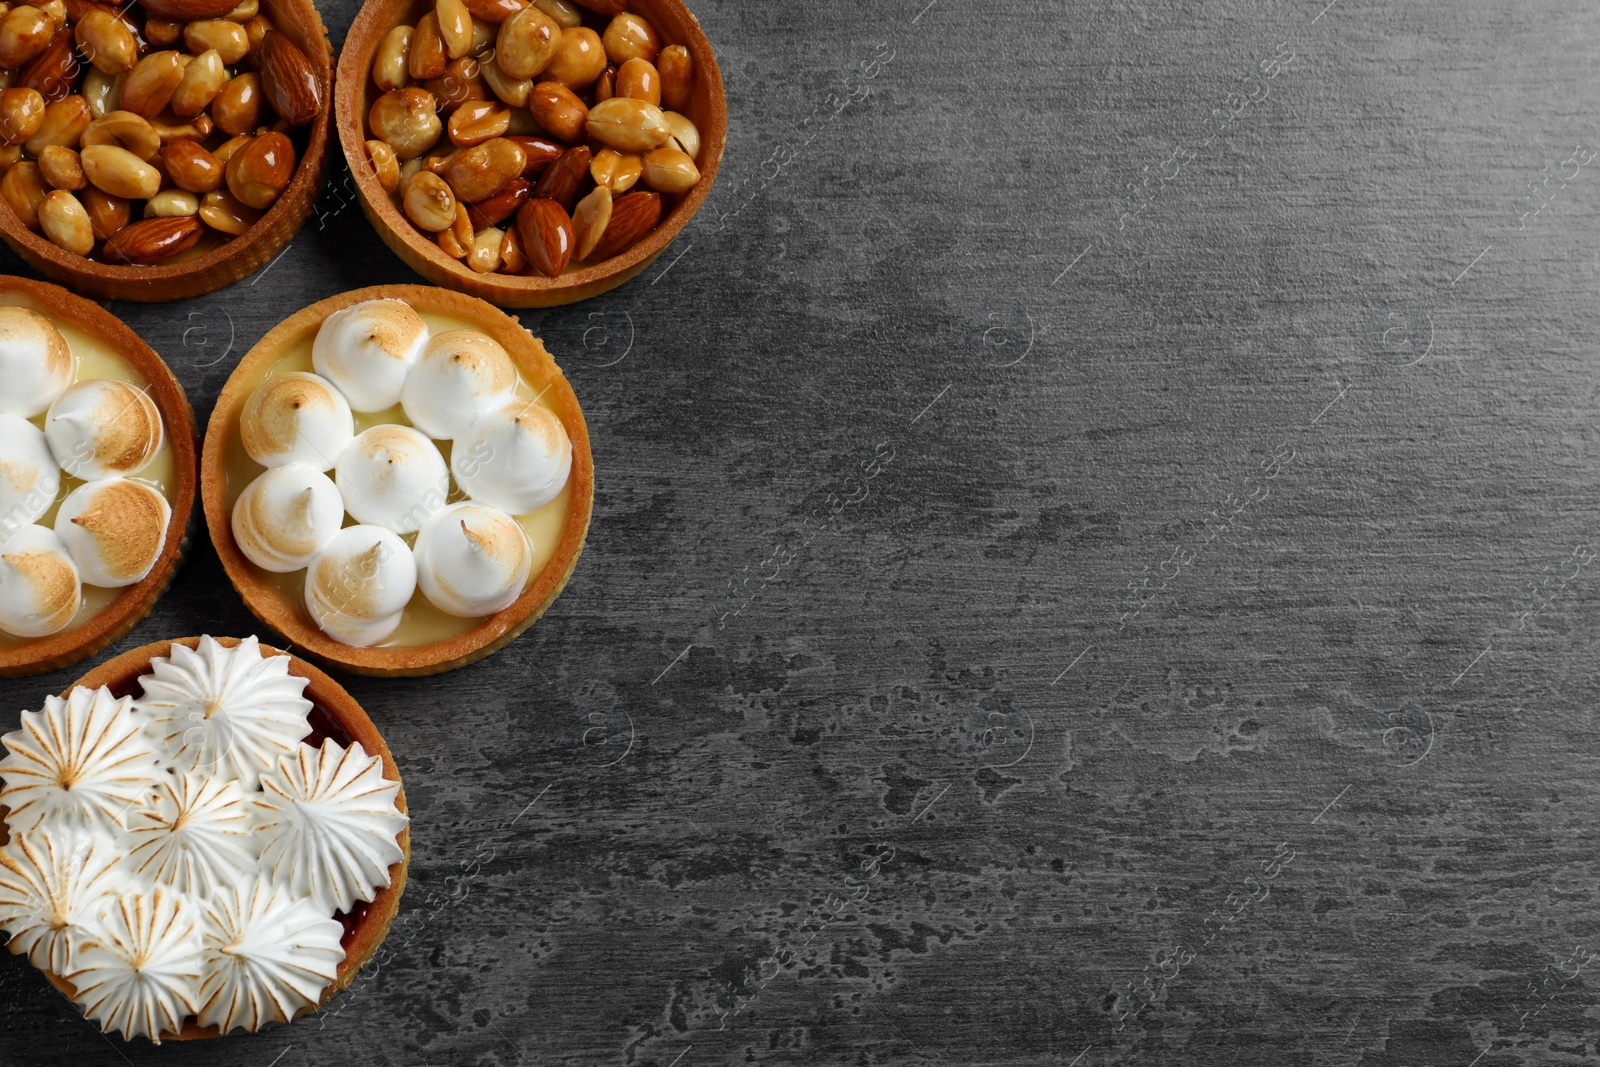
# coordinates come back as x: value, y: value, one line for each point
x: 531, y: 153
x: 398, y: 480
x: 97, y: 477
x: 159, y: 150
x: 198, y: 837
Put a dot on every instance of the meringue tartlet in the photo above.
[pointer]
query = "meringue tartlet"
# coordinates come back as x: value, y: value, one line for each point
x: 97, y: 477
x: 398, y: 479
x: 199, y: 836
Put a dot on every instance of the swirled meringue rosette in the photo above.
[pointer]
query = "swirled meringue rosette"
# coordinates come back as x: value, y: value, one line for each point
x: 201, y: 836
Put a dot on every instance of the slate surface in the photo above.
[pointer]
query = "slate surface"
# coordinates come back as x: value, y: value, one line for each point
x: 1093, y: 563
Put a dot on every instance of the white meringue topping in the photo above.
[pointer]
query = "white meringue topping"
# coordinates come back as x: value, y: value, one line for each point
x: 82, y: 762
x: 286, y: 516
x: 367, y: 349
x: 268, y: 956
x: 40, y: 587
x: 36, y: 363
x: 329, y: 822
x: 472, y: 560
x: 140, y: 971
x: 29, y: 477
x: 461, y: 375
x: 516, y: 458
x: 357, y: 587
x: 102, y: 427
x: 52, y: 883
x: 229, y: 711
x: 393, y: 476
x: 296, y: 418
x: 114, y: 530
x: 193, y: 834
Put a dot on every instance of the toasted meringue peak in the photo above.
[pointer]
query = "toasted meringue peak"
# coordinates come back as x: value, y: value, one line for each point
x: 296, y: 418
x: 286, y: 516
x: 329, y: 821
x: 193, y: 834
x: 40, y: 588
x: 36, y: 363
x: 82, y: 762
x: 224, y: 711
x: 516, y: 458
x: 140, y: 973
x: 102, y: 427
x: 461, y: 375
x: 29, y: 476
x: 357, y: 587
x: 114, y: 530
x: 393, y: 476
x: 267, y: 956
x: 52, y: 884
x: 472, y: 560
x: 367, y: 349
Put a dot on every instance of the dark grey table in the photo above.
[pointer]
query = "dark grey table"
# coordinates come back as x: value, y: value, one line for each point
x: 1094, y: 562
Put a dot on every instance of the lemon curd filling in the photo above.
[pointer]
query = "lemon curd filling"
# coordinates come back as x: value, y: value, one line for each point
x: 421, y: 623
x: 95, y: 360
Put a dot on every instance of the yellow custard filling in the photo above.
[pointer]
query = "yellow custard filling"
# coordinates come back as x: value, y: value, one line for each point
x: 422, y: 623
x: 96, y: 359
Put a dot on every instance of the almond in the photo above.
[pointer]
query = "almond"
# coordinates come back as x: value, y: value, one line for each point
x: 547, y: 236
x: 291, y: 83
x: 153, y: 240
x: 561, y: 179
x: 539, y: 153
x: 185, y: 10
x: 632, y: 216
x: 501, y: 206
x: 54, y: 71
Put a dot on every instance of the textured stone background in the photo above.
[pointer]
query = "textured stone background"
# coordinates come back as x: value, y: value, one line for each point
x: 1196, y: 668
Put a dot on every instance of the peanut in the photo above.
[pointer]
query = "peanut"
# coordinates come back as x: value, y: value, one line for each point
x: 580, y: 58
x: 119, y: 172
x: 66, y: 223
x: 511, y: 257
x: 202, y: 80
x: 685, y: 134
x: 628, y: 125
x: 616, y: 171
x: 223, y: 213
x: 668, y: 170
x: 527, y: 42
x: 103, y: 91
x: 24, y: 33
x: 391, y: 64
x: 428, y: 56
x: 107, y: 213
x: 385, y: 165
x: 479, y: 172
x: 24, y: 189
x: 64, y: 122
x: 485, y: 254
x: 127, y: 130
x: 513, y: 91
x: 638, y: 79
x: 461, y: 82
x: 21, y: 114
x: 407, y: 120
x: 191, y: 167
x: 149, y: 86
x: 631, y: 37
x: 106, y: 41
x: 60, y: 168
x: 228, y: 39
x: 479, y: 121
x: 429, y: 203
x: 455, y: 27
x: 259, y: 172
x: 563, y: 11
x: 238, y: 107
x: 171, y: 203
x: 589, y: 221
x: 162, y: 32
x: 558, y: 110
x: 677, y: 76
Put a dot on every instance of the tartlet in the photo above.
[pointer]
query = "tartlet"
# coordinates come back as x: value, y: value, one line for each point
x: 197, y: 272
x: 355, y: 92
x: 144, y: 782
x: 108, y: 358
x: 323, y: 564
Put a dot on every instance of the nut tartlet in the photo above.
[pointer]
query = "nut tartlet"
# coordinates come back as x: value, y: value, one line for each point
x: 98, y: 454
x: 494, y: 143
x: 160, y: 150
x: 398, y: 480
x: 181, y: 881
